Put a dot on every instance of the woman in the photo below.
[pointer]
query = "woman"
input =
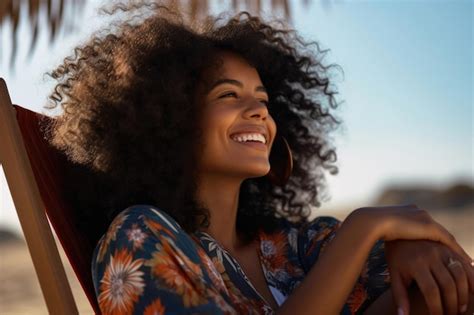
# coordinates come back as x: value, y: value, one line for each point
x: 210, y: 143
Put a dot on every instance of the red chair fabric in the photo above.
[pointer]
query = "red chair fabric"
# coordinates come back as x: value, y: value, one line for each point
x: 53, y: 171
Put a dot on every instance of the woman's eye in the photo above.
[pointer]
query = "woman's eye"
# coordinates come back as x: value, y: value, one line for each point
x: 226, y: 94
x: 235, y: 94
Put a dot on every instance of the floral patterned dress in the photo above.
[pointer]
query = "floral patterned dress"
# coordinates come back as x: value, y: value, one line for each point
x: 147, y: 264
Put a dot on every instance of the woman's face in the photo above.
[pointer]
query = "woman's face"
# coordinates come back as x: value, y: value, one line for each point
x: 235, y: 104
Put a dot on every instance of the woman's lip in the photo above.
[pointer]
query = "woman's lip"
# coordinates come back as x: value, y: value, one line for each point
x: 256, y: 145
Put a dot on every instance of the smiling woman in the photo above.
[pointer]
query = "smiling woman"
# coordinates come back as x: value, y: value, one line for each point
x: 209, y: 143
x: 144, y: 102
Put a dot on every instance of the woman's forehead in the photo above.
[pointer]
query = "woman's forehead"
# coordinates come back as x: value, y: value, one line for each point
x: 228, y: 61
x: 229, y: 67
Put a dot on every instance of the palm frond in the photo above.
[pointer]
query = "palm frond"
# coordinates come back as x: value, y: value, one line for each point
x: 11, y: 11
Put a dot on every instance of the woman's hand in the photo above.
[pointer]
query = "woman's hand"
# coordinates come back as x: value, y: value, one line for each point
x: 408, y: 223
x: 426, y: 262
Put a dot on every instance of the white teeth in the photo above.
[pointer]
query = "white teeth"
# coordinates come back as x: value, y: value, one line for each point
x: 252, y: 136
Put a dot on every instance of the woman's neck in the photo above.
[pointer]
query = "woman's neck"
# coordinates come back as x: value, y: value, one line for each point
x: 221, y: 197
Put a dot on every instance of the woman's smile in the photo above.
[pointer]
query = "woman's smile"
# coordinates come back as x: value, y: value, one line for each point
x: 257, y: 140
x: 253, y: 144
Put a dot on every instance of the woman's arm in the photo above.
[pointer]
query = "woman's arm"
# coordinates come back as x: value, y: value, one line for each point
x: 330, y: 281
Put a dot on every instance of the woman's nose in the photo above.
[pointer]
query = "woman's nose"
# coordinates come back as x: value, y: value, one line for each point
x: 256, y: 108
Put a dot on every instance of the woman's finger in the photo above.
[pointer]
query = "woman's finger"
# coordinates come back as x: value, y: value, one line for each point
x: 448, y: 288
x: 470, y: 276
x: 448, y: 239
x: 429, y: 289
x: 459, y: 275
x: 469, y: 269
x: 399, y: 293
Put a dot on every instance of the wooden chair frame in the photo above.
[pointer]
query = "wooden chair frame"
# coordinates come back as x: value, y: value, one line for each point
x: 31, y: 212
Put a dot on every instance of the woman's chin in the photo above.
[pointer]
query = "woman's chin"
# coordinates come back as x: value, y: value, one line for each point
x: 258, y: 173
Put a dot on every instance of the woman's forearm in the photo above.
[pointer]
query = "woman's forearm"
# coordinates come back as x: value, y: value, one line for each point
x: 328, y: 284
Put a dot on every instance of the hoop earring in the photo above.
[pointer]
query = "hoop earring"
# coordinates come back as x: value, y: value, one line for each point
x: 281, y: 161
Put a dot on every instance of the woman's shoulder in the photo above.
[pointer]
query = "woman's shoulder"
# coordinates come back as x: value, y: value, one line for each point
x: 145, y: 214
x: 297, y: 238
x: 304, y: 238
x: 135, y: 223
x: 319, y: 224
x: 146, y: 263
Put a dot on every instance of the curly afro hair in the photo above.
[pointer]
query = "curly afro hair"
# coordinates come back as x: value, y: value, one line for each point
x: 129, y: 116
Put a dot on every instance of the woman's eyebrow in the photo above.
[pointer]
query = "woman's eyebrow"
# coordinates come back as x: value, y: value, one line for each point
x: 259, y: 88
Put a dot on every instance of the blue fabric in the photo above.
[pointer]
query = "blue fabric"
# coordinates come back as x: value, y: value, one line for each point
x: 147, y: 264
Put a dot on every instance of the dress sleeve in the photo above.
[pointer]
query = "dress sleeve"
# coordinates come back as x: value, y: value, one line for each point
x: 146, y: 264
x: 374, y: 279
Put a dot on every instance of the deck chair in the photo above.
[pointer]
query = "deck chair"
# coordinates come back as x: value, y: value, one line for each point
x: 36, y: 173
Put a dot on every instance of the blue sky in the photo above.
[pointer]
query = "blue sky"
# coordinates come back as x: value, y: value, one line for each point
x: 407, y: 90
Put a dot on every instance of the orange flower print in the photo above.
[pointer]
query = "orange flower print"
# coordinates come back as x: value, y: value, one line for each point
x: 241, y: 304
x: 357, y: 297
x: 322, y: 235
x: 212, y: 271
x: 171, y: 265
x: 220, y: 302
x: 121, y: 285
x: 111, y: 234
x: 218, y: 265
x: 230, y: 286
x: 274, y: 249
x: 136, y: 236
x: 157, y: 228
x: 155, y: 308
